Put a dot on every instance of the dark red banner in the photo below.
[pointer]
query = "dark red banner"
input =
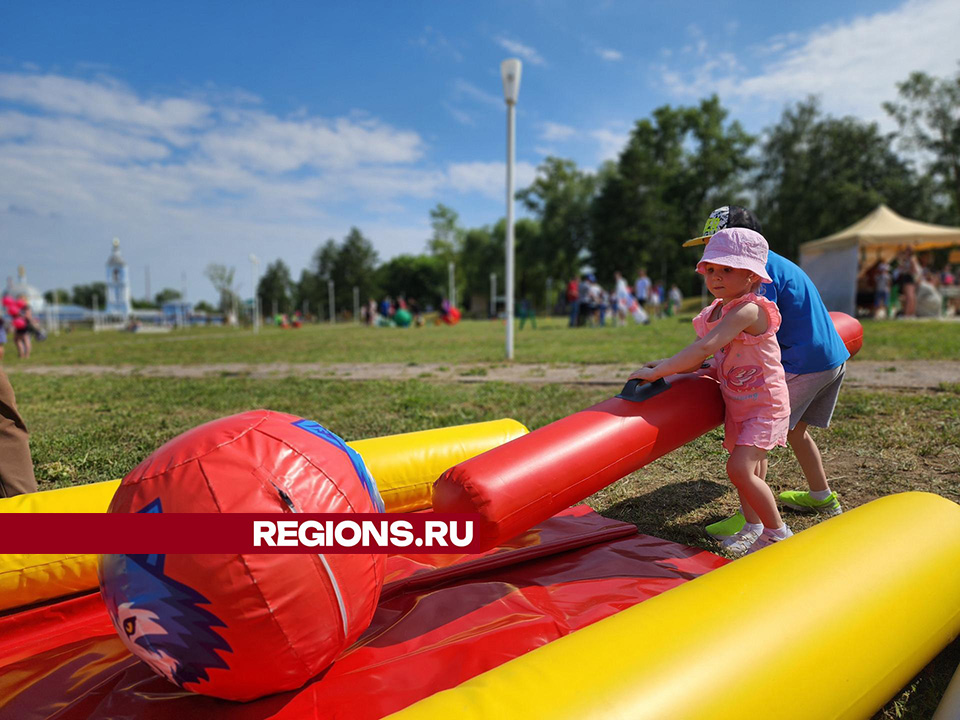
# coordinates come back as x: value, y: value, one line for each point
x: 215, y: 533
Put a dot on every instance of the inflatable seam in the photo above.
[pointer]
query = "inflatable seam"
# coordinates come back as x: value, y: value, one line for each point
x: 58, y: 561
x: 319, y: 469
x: 344, y: 624
x: 168, y: 468
x: 266, y: 604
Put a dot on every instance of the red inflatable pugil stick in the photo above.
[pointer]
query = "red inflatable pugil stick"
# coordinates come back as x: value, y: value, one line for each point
x: 517, y: 485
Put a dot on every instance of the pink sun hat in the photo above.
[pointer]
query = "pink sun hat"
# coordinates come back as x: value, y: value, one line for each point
x: 737, y: 248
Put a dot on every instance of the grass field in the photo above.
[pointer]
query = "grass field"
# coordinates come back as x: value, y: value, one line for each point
x: 470, y: 341
x: 88, y: 428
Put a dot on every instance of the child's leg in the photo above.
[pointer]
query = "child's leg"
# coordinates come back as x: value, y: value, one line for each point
x: 749, y: 514
x: 743, y: 468
x: 808, y: 455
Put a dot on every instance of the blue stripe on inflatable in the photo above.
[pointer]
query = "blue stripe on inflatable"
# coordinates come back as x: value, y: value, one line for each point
x: 315, y: 428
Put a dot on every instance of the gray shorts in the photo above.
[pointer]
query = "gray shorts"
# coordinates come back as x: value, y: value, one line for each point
x: 813, y: 396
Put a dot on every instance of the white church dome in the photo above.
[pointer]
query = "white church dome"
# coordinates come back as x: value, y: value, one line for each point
x: 22, y: 287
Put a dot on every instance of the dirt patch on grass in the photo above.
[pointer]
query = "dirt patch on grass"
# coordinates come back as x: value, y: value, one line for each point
x: 907, y: 374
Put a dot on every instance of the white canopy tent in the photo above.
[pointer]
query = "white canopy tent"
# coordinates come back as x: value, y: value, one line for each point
x: 832, y: 262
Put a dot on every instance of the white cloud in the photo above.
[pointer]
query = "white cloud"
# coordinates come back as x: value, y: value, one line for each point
x: 436, y: 43
x: 611, y: 142
x: 553, y: 132
x: 464, y: 118
x: 524, y: 51
x: 79, y: 138
x: 393, y: 239
x: 264, y: 142
x: 609, y: 54
x: 188, y: 181
x: 853, y: 65
x: 464, y: 89
x: 488, y: 178
x: 103, y: 101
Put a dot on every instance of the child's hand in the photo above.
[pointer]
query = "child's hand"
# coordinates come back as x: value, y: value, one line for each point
x: 652, y: 363
x: 647, y: 374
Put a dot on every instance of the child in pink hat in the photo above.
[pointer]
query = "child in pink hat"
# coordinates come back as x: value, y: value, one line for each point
x: 739, y: 330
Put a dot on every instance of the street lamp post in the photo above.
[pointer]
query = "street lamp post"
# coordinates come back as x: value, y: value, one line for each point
x: 510, y: 72
x: 493, y: 295
x: 255, y: 279
x: 452, y: 284
x: 330, y: 297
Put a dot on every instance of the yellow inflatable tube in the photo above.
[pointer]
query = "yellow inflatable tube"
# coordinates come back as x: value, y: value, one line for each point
x: 404, y: 467
x: 828, y: 624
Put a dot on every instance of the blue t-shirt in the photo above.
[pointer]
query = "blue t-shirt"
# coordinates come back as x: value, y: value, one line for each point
x: 808, y: 339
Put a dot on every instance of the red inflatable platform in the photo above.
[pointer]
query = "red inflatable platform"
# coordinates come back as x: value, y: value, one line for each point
x: 441, y: 620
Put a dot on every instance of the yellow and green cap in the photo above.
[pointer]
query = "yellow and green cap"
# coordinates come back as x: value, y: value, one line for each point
x: 728, y: 216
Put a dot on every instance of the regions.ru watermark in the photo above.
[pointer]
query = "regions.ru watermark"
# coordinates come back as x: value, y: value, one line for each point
x: 369, y: 534
x: 232, y: 533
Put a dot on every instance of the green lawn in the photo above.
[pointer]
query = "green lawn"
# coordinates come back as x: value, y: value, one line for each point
x: 470, y: 341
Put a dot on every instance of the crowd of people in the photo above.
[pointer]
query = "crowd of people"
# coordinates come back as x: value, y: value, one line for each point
x: 390, y: 312
x: 287, y: 322
x: 909, y: 286
x: 588, y: 303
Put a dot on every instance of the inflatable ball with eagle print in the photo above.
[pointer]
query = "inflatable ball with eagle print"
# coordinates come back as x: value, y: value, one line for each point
x: 243, y: 626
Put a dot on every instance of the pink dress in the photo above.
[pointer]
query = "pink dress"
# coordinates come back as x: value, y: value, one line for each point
x: 15, y: 309
x: 751, y: 379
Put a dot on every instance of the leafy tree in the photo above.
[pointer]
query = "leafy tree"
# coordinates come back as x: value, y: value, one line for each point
x: 820, y: 174
x: 561, y: 198
x: 58, y: 296
x: 483, y: 252
x: 221, y: 277
x: 446, y: 242
x: 350, y: 264
x: 531, y: 260
x: 307, y: 293
x: 275, y: 287
x: 446, y: 245
x: 532, y: 264
x: 419, y: 277
x: 83, y: 295
x: 325, y: 260
x: 312, y: 287
x: 356, y: 266
x: 929, y: 118
x: 166, y: 295
x: 677, y: 166
x: 205, y: 307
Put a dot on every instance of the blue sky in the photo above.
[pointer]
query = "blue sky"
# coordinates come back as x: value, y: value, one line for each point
x: 202, y: 132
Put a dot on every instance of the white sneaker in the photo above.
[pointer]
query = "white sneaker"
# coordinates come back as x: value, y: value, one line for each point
x: 767, y: 537
x: 738, y: 543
